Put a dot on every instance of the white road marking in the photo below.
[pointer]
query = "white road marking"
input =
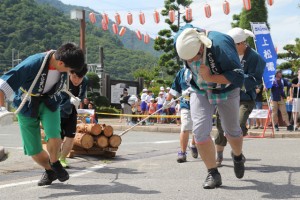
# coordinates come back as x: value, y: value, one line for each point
x: 80, y: 173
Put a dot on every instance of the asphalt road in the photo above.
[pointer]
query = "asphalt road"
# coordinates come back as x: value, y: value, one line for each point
x: 145, y: 168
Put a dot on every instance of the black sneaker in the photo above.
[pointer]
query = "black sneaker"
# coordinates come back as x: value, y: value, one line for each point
x: 239, y: 166
x: 181, y: 157
x: 290, y: 128
x: 276, y: 128
x: 61, y: 173
x: 212, y: 180
x: 47, y: 178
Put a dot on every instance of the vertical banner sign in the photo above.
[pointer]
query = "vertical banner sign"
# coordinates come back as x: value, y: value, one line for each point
x: 265, y: 48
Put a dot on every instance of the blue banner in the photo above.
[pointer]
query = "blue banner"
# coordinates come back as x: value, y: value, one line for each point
x: 265, y: 48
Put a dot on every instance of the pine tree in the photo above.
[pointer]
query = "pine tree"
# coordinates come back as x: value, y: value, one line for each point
x: 164, y: 42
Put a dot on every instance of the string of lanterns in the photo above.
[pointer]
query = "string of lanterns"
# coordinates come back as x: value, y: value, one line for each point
x: 156, y: 16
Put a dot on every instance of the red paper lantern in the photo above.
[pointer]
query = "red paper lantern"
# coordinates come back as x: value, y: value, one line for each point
x: 122, y: 31
x: 188, y: 14
x: 105, y: 17
x: 146, y: 38
x: 207, y: 10
x: 115, y: 28
x: 129, y: 18
x: 270, y: 2
x: 172, y: 15
x: 118, y: 18
x: 247, y: 4
x: 226, y: 7
x: 138, y: 34
x: 92, y: 17
x: 156, y: 16
x: 142, y: 18
x: 104, y: 25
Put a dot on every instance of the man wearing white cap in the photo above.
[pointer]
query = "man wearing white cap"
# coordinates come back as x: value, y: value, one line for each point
x: 217, y: 77
x: 253, y: 66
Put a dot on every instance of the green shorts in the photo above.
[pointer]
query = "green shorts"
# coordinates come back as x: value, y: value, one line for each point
x: 30, y: 129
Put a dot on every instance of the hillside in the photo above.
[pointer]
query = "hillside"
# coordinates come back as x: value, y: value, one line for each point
x: 29, y: 27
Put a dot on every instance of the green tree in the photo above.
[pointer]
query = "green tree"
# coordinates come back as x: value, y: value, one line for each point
x: 93, y: 81
x: 291, y: 56
x: 164, y: 42
x: 146, y: 73
x: 258, y: 13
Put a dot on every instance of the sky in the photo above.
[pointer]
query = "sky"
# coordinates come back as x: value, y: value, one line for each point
x: 283, y: 16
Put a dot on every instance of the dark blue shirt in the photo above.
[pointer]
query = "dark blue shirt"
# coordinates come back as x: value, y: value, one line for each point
x: 277, y: 89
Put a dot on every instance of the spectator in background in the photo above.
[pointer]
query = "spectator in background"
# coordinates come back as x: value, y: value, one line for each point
x: 277, y: 100
x: 162, y: 89
x: 93, y: 119
x: 294, y: 97
x: 160, y: 101
x: 85, y: 103
x: 177, y: 110
x: 258, y: 105
x: 152, y: 109
x: 127, y: 106
x: 144, y: 103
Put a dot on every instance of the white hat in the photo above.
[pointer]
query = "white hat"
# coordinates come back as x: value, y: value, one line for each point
x: 189, y: 42
x: 239, y: 35
x: 152, y: 99
x: 162, y: 88
x: 145, y: 90
x: 168, y: 88
x: 161, y: 92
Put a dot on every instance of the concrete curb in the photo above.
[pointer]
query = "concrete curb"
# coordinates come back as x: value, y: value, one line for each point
x: 2, y: 153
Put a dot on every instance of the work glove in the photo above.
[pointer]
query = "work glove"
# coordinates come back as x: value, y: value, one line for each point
x: 75, y: 101
x: 167, y: 104
x: 6, y: 117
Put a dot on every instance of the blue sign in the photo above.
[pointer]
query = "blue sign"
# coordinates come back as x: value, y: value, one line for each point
x: 265, y: 48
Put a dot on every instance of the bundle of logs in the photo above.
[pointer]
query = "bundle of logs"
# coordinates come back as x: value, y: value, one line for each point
x: 95, y: 139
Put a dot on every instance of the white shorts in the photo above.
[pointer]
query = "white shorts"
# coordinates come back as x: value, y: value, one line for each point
x: 296, y: 105
x: 186, y: 120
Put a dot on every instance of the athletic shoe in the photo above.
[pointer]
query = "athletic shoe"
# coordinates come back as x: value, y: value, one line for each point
x: 194, y: 151
x: 61, y: 173
x: 290, y: 128
x: 63, y: 163
x: 181, y: 157
x: 212, y: 180
x: 219, y: 162
x: 276, y: 128
x: 47, y: 178
x: 239, y: 166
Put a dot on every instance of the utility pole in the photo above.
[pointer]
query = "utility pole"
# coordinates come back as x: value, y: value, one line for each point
x: 80, y: 15
x: 101, y: 73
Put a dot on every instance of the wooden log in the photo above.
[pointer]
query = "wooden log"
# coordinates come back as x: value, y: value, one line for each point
x: 114, y: 141
x: 81, y: 128
x: 94, y: 129
x: 102, y: 141
x: 84, y: 140
x: 107, y: 130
